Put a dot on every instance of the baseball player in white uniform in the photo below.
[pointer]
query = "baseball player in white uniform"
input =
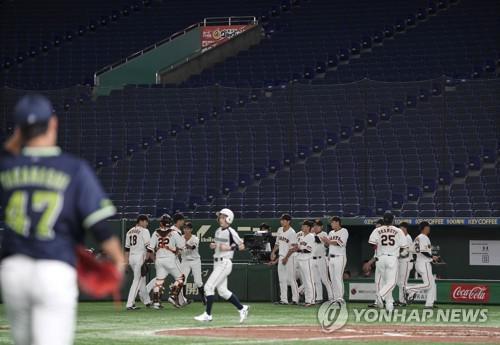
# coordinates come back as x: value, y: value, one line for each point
x: 136, y: 241
x: 405, y: 265
x: 337, y: 242
x: 165, y: 244
x: 373, y: 262
x: 422, y: 247
x: 191, y: 261
x: 388, y: 241
x: 304, y: 249
x: 320, y: 263
x: 226, y: 242
x: 286, y: 240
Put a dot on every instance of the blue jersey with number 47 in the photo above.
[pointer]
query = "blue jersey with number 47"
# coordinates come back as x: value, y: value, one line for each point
x: 49, y: 199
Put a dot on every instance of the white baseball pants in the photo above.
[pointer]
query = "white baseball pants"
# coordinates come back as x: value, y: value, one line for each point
x: 336, y: 265
x: 405, y: 267
x: 218, y: 279
x: 188, y: 266
x: 139, y: 282
x: 424, y: 268
x: 41, y: 300
x: 286, y: 276
x: 388, y: 267
x: 320, y: 273
x: 306, y: 276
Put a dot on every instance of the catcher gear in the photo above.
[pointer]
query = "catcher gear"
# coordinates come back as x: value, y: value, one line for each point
x: 228, y: 213
x: 175, y: 292
x: 166, y: 220
x: 97, y: 278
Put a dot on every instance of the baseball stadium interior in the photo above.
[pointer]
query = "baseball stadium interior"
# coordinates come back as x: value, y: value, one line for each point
x: 313, y: 108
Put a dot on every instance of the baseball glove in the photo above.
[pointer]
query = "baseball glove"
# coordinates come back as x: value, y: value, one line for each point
x: 144, y: 269
x: 97, y: 278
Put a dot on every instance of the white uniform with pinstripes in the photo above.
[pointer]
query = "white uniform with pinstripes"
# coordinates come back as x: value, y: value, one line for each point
x: 223, y: 264
x: 405, y: 267
x: 389, y: 240
x: 337, y: 260
x: 306, y: 242
x: 424, y: 268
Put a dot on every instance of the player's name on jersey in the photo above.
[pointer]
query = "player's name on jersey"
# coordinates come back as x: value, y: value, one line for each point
x: 38, y: 176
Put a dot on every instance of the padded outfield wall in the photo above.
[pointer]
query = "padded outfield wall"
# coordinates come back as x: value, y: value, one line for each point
x: 258, y: 282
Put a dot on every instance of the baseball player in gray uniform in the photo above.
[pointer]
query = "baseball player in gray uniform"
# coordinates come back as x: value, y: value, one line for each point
x: 226, y: 242
x: 286, y: 240
x: 405, y: 265
x: 320, y: 263
x: 191, y: 261
x: 136, y: 241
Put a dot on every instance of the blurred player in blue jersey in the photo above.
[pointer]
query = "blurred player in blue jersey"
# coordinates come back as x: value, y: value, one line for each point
x: 50, y: 200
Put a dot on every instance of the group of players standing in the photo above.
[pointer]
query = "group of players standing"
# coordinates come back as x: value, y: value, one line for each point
x: 174, y: 250
x: 312, y: 256
x: 303, y: 256
x: 318, y: 259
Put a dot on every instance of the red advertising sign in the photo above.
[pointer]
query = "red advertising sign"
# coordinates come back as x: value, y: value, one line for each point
x: 215, y: 35
x: 470, y: 293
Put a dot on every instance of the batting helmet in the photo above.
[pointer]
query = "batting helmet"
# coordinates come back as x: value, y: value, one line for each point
x: 166, y: 220
x: 228, y: 213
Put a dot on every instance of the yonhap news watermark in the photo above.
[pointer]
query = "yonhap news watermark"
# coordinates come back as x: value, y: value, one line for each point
x: 333, y: 316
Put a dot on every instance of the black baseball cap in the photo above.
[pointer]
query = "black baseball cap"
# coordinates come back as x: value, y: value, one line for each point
x: 318, y: 222
x: 264, y: 226
x: 388, y: 218
x: 188, y: 224
x: 33, y: 109
x: 308, y: 222
x: 178, y: 216
x: 286, y: 216
x: 142, y: 217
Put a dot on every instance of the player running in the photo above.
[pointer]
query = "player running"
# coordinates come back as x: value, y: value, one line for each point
x: 320, y: 263
x: 136, y: 241
x: 422, y: 246
x: 191, y: 261
x: 226, y: 242
x: 405, y: 265
x: 165, y: 245
x: 337, y: 242
x: 388, y: 241
x: 286, y: 240
x: 50, y: 201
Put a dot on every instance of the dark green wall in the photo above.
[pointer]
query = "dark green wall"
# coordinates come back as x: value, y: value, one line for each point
x: 453, y: 241
x: 142, y: 69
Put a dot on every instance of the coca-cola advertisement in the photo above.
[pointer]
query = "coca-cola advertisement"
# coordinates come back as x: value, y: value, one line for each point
x: 470, y: 293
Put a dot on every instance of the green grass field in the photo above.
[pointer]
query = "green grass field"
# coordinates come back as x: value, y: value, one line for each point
x: 101, y: 323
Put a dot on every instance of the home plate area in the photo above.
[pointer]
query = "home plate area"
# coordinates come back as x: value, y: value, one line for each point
x: 365, y: 332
